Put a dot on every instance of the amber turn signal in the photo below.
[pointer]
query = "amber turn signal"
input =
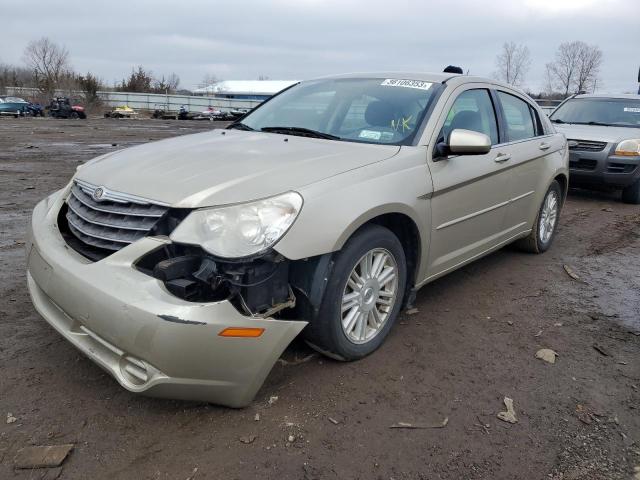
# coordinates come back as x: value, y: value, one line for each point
x: 241, y: 332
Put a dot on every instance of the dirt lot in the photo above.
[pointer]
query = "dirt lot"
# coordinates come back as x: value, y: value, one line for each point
x: 471, y: 343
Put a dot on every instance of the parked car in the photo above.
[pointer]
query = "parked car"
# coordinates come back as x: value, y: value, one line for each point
x: 604, y: 141
x: 185, y: 267
x: 14, y: 106
x: 62, y: 107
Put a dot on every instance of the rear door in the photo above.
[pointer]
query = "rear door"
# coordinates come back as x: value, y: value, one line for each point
x: 527, y: 146
x: 470, y: 192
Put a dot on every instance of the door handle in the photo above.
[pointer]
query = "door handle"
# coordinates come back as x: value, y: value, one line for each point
x: 544, y: 146
x: 502, y: 157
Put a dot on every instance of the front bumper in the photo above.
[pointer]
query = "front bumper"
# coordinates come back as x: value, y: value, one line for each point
x: 603, y: 169
x: 150, y: 341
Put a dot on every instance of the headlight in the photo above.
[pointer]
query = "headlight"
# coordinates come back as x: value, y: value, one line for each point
x: 629, y: 148
x: 240, y: 230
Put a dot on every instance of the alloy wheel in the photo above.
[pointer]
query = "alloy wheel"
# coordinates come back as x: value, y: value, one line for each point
x: 369, y: 295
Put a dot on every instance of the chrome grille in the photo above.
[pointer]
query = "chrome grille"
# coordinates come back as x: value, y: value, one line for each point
x: 586, y: 145
x: 109, y: 220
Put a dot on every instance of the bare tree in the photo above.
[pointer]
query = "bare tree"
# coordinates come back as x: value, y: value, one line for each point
x: 589, y: 62
x: 49, y: 63
x: 513, y: 63
x: 173, y: 82
x: 576, y: 66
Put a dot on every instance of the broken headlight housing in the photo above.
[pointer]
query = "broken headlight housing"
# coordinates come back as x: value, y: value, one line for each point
x: 240, y: 230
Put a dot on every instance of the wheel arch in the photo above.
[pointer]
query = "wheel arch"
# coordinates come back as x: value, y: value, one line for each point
x: 564, y: 185
x: 402, y: 222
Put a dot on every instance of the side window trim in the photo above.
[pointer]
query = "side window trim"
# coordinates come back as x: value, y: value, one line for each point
x: 536, y: 121
x: 500, y: 117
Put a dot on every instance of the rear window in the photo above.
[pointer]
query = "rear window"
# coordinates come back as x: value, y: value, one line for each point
x: 619, y: 112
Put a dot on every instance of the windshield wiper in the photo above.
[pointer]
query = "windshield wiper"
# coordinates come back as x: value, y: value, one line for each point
x: 600, y: 124
x: 556, y: 120
x: 302, y: 132
x: 240, y: 126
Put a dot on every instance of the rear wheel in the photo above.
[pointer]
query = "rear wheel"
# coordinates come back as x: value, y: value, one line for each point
x: 631, y: 194
x: 74, y: 115
x: 544, y: 228
x: 363, y: 296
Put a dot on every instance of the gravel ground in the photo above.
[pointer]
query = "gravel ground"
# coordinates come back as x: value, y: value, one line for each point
x: 471, y: 343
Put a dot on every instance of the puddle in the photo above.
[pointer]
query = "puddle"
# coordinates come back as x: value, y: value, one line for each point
x: 617, y: 290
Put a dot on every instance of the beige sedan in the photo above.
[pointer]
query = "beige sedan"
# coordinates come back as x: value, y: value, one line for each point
x: 185, y: 267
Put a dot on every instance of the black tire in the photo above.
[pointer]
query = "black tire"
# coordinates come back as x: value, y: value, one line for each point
x: 533, y: 243
x: 631, y: 194
x: 74, y: 115
x: 325, y: 332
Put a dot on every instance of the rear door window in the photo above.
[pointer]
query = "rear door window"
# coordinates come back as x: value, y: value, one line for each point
x: 519, y: 121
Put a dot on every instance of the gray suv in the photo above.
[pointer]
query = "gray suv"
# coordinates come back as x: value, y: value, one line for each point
x: 604, y: 141
x: 185, y: 267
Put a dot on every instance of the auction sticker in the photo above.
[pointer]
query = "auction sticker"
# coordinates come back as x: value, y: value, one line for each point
x: 397, y: 82
x: 632, y: 109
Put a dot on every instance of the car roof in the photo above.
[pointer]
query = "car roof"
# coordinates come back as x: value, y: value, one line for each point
x: 426, y: 77
x: 622, y: 96
x: 452, y: 79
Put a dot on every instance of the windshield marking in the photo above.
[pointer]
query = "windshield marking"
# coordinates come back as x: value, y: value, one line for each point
x: 370, y: 134
x: 396, y: 82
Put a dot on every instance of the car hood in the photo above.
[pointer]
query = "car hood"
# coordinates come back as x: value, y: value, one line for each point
x: 226, y: 166
x: 597, y: 133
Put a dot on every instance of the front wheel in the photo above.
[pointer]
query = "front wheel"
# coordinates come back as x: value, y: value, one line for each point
x: 631, y: 194
x: 545, y: 226
x: 363, y: 296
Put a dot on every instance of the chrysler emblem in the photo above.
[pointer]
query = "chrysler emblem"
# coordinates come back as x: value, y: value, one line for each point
x: 98, y: 193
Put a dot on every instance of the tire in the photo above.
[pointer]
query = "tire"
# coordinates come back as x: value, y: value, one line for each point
x: 360, y: 336
x: 74, y: 115
x: 631, y: 194
x: 539, y: 240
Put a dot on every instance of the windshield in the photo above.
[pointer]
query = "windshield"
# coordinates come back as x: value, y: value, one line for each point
x: 371, y: 110
x: 618, y: 112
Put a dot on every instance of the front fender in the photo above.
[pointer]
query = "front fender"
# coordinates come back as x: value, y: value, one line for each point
x: 336, y: 207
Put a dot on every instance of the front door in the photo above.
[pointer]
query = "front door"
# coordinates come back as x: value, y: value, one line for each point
x: 470, y: 192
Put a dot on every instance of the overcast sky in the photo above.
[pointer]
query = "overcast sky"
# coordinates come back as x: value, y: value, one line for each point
x: 300, y: 39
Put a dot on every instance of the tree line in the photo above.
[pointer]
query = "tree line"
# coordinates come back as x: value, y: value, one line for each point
x: 46, y: 67
x: 575, y: 68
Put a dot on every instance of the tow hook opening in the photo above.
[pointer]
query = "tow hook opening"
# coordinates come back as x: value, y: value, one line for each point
x: 257, y: 287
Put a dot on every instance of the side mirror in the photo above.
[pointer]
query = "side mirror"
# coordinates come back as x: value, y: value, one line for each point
x: 468, y: 142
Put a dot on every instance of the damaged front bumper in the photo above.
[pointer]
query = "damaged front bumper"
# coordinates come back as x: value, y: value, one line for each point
x: 149, y: 340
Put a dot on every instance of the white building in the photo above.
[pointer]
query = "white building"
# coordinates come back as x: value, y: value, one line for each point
x: 245, y: 89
